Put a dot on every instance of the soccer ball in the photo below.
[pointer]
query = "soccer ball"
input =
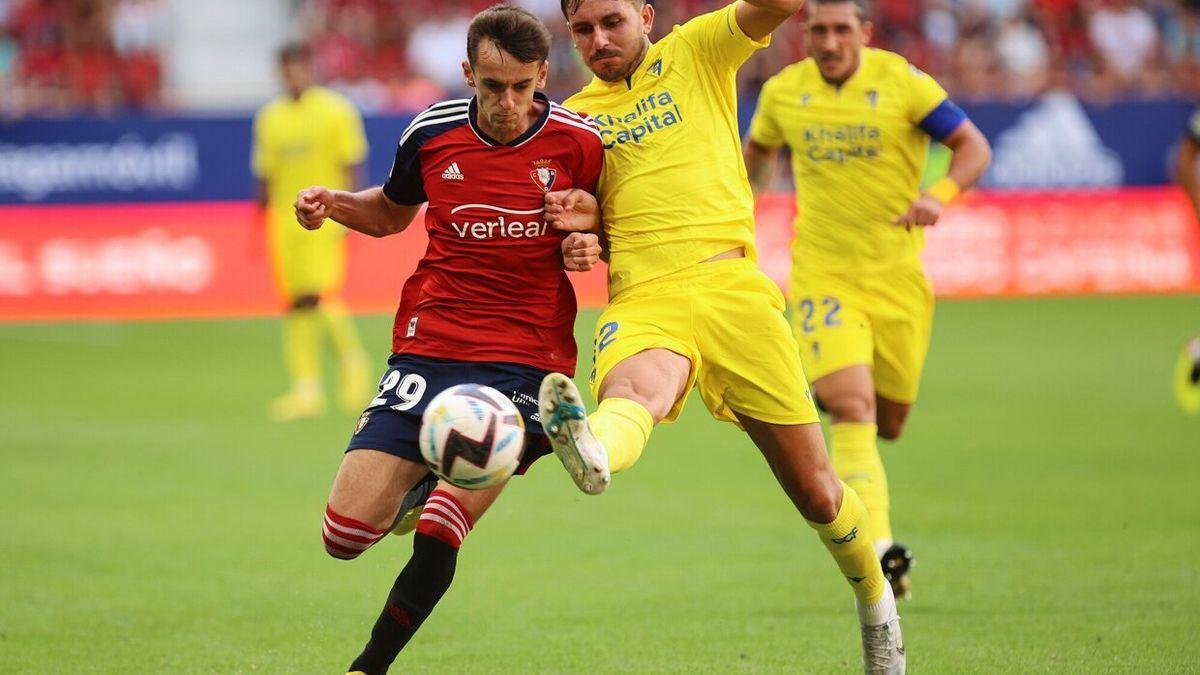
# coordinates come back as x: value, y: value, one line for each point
x: 472, y: 436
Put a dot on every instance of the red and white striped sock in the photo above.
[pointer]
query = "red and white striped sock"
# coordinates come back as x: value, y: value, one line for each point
x: 346, y: 538
x: 445, y: 519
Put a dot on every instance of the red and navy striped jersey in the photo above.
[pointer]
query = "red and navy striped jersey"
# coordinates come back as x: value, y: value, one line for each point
x: 491, y: 286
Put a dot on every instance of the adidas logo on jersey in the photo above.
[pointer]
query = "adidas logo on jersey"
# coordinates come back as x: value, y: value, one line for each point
x: 452, y: 172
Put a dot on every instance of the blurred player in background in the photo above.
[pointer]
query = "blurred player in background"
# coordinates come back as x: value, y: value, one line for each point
x: 1187, y: 367
x: 858, y: 122
x: 489, y: 304
x: 688, y: 305
x: 310, y: 135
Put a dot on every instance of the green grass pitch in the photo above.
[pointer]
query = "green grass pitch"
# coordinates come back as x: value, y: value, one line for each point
x: 154, y: 521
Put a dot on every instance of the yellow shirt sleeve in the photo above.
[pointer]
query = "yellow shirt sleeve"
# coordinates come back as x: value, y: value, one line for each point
x: 260, y: 154
x: 718, y: 39
x: 351, y: 139
x: 924, y: 93
x: 764, y: 127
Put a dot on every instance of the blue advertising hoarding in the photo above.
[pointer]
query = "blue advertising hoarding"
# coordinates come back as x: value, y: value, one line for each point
x: 1055, y: 141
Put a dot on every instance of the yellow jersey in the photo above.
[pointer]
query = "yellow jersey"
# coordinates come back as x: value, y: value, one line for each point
x: 674, y: 191
x: 858, y: 152
x: 307, y: 141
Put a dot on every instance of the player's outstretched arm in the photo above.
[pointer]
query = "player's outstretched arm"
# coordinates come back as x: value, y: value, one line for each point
x: 573, y: 210
x: 368, y: 211
x: 971, y: 155
x: 759, y: 18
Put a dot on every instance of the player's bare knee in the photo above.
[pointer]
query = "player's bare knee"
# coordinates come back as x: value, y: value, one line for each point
x: 346, y: 538
x: 819, y: 503
x: 890, y: 428
x: 303, y: 302
x: 850, y: 407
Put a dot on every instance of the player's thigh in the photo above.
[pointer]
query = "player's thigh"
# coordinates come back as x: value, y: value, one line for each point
x: 639, y: 322
x: 903, y: 323
x: 749, y: 360
x: 370, y: 484
x: 830, y: 324
x: 656, y: 378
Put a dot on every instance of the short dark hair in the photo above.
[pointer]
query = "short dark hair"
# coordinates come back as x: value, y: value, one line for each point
x: 294, y: 51
x: 863, y: 7
x: 569, y: 6
x: 512, y: 29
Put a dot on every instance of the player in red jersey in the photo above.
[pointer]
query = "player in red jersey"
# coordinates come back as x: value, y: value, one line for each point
x: 489, y: 303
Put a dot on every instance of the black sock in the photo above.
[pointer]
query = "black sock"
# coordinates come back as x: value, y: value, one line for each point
x: 417, y: 590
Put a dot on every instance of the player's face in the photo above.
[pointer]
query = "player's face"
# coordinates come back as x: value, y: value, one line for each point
x: 836, y: 34
x: 611, y: 35
x: 297, y: 75
x: 504, y: 89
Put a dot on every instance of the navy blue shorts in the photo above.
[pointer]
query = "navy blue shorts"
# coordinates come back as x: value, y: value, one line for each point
x: 392, y: 421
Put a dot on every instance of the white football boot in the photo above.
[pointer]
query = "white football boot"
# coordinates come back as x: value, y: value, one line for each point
x: 565, y: 421
x: 883, y: 645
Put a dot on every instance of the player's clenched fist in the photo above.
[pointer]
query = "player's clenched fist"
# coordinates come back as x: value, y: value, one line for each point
x: 313, y: 206
x: 581, y: 251
x: 923, y: 213
x: 572, y: 210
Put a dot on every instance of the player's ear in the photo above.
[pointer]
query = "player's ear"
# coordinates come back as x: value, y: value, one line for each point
x: 868, y: 29
x: 468, y: 75
x: 647, y: 18
x: 543, y: 70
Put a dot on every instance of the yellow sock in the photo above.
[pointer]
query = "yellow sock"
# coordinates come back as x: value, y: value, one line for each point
x: 623, y: 427
x: 302, y: 346
x: 846, y: 539
x: 856, y: 459
x: 342, y: 331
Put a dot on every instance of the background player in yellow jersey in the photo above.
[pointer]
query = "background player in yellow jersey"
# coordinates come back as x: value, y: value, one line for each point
x: 310, y: 135
x: 688, y: 304
x: 858, y: 123
x: 1186, y: 381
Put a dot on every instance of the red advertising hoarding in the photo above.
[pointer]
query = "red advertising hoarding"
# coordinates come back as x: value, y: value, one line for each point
x: 209, y: 259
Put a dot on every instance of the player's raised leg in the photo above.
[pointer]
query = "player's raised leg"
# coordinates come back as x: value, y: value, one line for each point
x: 797, y: 457
x: 636, y: 394
x: 445, y: 521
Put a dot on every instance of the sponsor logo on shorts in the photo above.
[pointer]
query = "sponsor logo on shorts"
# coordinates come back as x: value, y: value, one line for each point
x: 362, y: 422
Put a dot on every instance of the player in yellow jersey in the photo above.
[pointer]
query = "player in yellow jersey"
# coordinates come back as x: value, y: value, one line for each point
x: 858, y: 122
x: 1186, y: 381
x: 309, y: 136
x: 688, y: 304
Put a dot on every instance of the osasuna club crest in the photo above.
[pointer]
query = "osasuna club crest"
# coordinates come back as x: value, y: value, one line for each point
x: 543, y: 175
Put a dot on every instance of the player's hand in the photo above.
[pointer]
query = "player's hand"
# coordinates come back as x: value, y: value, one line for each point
x: 923, y: 213
x: 581, y: 251
x: 572, y: 210
x: 313, y: 206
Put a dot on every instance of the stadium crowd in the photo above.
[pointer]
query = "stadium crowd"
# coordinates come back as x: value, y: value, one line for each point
x: 68, y: 56
x: 61, y: 56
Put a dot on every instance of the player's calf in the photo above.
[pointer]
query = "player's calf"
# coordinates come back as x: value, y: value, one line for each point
x: 444, y: 524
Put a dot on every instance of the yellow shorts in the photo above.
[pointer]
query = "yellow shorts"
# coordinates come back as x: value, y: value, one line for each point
x: 727, y: 318
x: 881, y: 321
x: 303, y: 262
